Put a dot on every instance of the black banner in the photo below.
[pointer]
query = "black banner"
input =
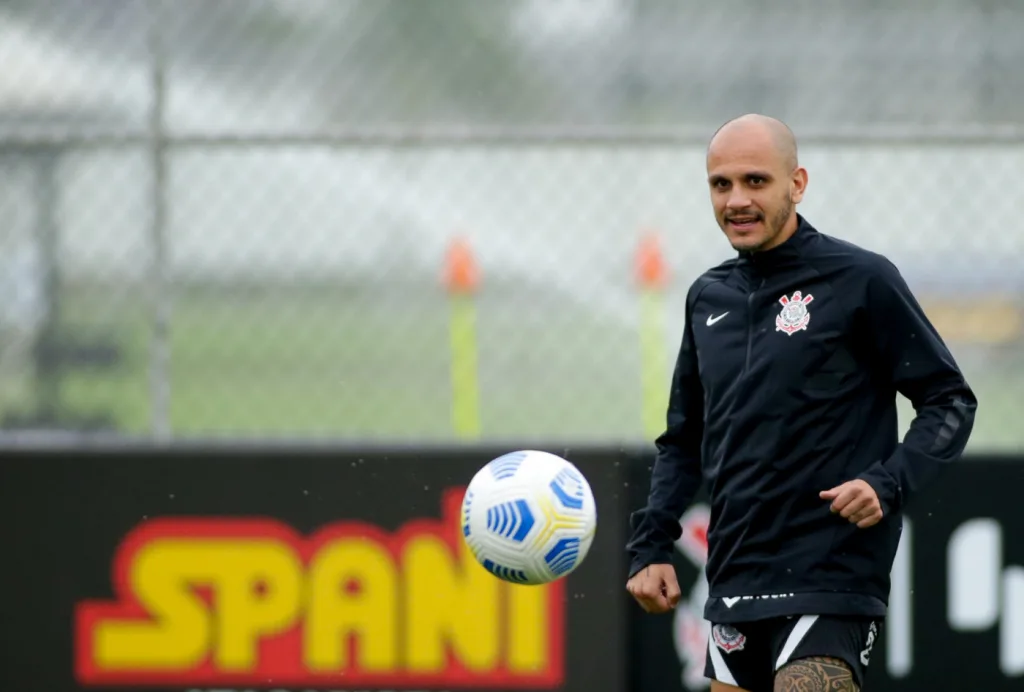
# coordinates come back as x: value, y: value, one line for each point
x: 198, y: 569
x: 956, y: 618
x: 233, y: 569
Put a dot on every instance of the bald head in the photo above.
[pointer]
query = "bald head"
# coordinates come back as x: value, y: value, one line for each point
x: 755, y: 181
x: 755, y: 130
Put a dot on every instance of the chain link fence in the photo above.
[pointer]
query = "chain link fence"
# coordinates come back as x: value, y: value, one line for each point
x: 234, y: 218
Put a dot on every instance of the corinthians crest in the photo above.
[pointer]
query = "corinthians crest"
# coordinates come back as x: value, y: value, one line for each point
x: 794, y: 315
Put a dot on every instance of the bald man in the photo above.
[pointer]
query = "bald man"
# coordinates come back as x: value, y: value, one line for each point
x: 783, y: 401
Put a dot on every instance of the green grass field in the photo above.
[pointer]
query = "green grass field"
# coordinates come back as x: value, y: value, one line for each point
x: 346, y: 363
x: 342, y: 364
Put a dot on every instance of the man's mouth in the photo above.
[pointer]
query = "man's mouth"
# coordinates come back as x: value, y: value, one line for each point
x: 743, y: 221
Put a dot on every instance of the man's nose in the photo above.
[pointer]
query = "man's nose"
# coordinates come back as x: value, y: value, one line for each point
x: 738, y: 199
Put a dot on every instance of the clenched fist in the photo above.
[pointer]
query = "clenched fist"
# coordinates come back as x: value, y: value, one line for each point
x: 856, y: 501
x: 655, y: 588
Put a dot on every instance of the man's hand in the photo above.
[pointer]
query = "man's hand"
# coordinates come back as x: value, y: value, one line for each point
x: 857, y: 501
x: 655, y: 588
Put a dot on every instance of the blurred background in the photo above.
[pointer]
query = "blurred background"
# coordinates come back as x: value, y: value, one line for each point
x: 247, y: 217
x: 461, y: 227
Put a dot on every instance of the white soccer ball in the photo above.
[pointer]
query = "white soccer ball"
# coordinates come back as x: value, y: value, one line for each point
x: 529, y: 517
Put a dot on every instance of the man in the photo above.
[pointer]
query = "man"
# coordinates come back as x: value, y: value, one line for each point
x: 784, y: 400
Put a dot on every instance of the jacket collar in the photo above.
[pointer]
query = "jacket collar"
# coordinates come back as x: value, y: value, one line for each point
x: 785, y: 254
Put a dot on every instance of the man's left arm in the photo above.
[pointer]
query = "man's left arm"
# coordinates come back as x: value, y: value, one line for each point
x: 912, y: 354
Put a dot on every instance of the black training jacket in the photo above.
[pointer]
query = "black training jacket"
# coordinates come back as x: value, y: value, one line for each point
x: 785, y: 386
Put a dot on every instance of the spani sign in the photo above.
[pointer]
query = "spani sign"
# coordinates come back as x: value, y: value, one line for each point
x: 250, y: 602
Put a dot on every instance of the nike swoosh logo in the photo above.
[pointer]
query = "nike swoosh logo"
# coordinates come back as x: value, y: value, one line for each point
x: 712, y: 319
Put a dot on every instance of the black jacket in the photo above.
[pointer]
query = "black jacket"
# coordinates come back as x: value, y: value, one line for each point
x: 785, y: 386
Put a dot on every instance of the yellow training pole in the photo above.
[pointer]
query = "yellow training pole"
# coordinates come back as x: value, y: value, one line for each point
x: 651, y: 276
x: 461, y: 281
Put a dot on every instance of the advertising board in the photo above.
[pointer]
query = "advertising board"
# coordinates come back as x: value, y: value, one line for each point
x: 285, y: 570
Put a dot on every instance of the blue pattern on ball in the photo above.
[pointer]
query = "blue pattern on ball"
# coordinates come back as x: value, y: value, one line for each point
x: 465, y: 512
x: 563, y: 555
x: 568, y: 488
x: 512, y: 520
x: 513, y: 575
x: 505, y: 466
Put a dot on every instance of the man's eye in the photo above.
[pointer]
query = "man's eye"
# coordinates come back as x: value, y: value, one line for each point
x: 755, y: 180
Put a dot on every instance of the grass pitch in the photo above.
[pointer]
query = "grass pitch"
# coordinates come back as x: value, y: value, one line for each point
x: 345, y: 363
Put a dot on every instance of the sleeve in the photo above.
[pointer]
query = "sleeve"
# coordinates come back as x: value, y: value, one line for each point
x: 912, y: 355
x: 676, y: 475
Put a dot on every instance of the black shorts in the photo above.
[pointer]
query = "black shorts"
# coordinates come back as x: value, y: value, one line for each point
x: 748, y: 655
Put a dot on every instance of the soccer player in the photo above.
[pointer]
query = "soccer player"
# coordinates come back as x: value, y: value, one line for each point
x: 783, y: 400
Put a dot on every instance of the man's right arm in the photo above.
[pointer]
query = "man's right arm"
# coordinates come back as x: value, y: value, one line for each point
x: 676, y: 475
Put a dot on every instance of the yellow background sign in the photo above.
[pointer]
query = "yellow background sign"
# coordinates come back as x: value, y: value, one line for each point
x: 211, y: 601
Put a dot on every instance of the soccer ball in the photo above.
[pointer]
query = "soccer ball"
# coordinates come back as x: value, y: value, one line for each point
x: 529, y: 517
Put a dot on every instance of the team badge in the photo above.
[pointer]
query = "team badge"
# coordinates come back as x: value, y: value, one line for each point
x: 728, y: 638
x: 794, y: 315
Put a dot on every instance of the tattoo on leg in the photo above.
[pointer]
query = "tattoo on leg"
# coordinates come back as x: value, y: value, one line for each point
x: 815, y: 674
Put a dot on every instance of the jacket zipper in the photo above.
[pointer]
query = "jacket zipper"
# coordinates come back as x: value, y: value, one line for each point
x: 750, y: 324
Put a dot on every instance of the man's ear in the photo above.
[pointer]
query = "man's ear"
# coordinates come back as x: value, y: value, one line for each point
x: 799, y: 183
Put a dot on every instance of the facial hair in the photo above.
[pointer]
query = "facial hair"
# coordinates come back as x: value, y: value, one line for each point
x: 777, y: 222
x: 781, y: 217
x: 774, y: 225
